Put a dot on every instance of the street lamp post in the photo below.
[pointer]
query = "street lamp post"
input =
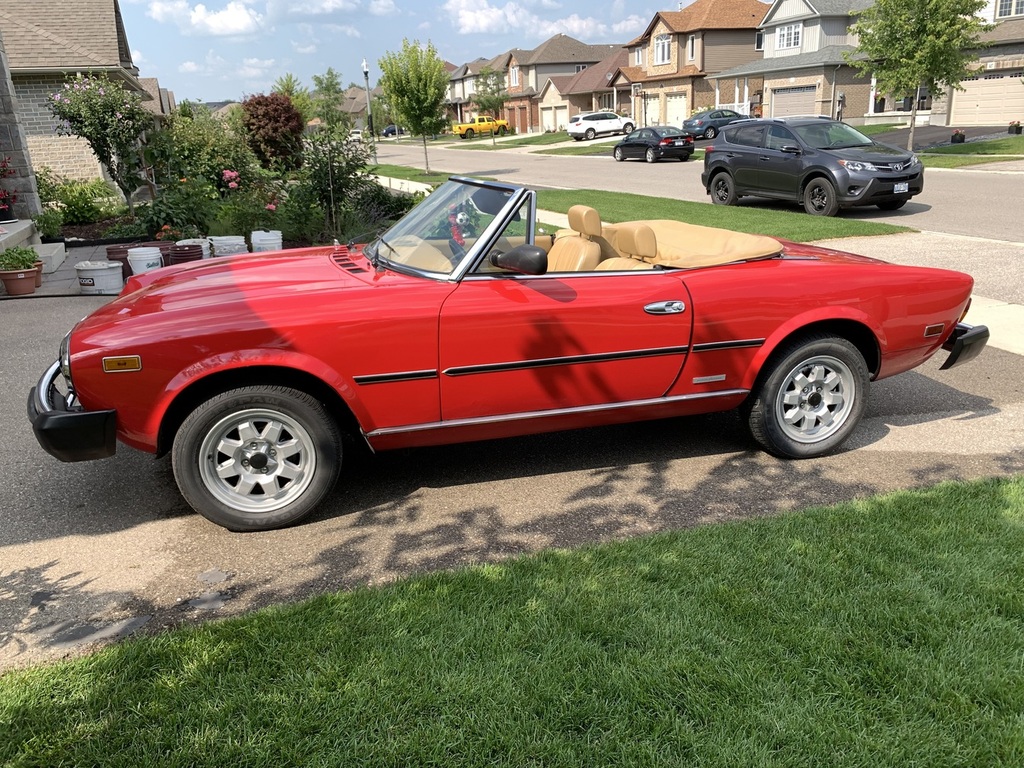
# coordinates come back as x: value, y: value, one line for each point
x: 369, y: 111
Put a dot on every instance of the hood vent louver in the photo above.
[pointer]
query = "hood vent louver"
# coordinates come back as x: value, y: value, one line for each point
x: 341, y: 256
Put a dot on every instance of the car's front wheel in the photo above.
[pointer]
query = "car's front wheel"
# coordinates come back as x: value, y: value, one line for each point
x: 650, y: 156
x: 710, y: 132
x: 617, y: 154
x: 809, y: 398
x: 257, y: 458
x: 892, y: 205
x: 820, y: 198
x: 723, y: 191
x: 627, y: 128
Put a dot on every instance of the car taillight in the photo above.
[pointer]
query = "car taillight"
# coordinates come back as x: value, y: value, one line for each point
x: 664, y: 142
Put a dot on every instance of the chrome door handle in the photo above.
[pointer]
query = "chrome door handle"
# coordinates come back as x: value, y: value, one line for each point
x: 665, y: 308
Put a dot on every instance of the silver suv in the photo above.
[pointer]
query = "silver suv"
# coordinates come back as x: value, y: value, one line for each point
x: 823, y: 164
x: 587, y: 125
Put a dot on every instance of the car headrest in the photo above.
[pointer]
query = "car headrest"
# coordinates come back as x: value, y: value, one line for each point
x: 585, y: 220
x: 637, y: 240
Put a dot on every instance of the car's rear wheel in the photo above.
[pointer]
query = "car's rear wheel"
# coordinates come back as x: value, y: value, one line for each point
x: 820, y: 198
x: 809, y: 398
x: 617, y: 154
x: 650, y: 156
x: 710, y: 132
x: 627, y: 128
x: 892, y: 205
x: 590, y: 134
x: 470, y: 133
x: 723, y: 191
x: 257, y: 458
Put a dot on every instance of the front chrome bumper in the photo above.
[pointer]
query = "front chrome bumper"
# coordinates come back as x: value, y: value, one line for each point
x: 66, y: 431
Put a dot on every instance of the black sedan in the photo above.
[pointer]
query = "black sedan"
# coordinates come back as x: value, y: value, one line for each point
x: 709, y: 122
x: 654, y: 143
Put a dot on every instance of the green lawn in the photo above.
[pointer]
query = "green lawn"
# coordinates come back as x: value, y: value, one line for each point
x: 874, y: 130
x: 883, y: 633
x: 975, y: 153
x: 528, y: 140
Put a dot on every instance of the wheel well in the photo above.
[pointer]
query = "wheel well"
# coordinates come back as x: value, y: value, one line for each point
x: 816, y: 175
x: 856, y: 333
x: 195, y: 394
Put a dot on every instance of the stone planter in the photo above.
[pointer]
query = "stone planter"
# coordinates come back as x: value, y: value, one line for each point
x: 957, y: 138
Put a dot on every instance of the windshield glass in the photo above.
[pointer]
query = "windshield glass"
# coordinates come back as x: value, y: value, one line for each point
x: 831, y: 136
x: 438, y: 233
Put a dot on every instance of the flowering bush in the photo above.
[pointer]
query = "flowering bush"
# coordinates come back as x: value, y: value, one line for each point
x: 958, y: 132
x: 184, y: 205
x: 1015, y: 123
x: 110, y: 118
x: 248, y: 203
x: 7, y: 198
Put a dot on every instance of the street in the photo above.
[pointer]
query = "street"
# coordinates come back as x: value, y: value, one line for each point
x: 96, y: 550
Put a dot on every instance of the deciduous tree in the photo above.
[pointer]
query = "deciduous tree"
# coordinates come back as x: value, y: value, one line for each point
x: 910, y: 43
x: 273, y: 128
x: 290, y: 86
x: 327, y: 98
x: 415, y: 83
x: 490, y: 93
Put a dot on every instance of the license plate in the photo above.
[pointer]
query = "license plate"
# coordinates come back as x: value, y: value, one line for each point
x: 679, y: 143
x: 903, y: 186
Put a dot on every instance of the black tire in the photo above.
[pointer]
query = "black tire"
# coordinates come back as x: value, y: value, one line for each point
x: 470, y: 133
x: 257, y: 458
x: 627, y: 128
x: 590, y: 134
x: 577, y: 138
x: 650, y: 156
x: 892, y: 205
x: 723, y: 190
x: 502, y: 130
x: 617, y: 154
x: 710, y: 132
x: 809, y: 398
x: 820, y: 198
x: 684, y: 158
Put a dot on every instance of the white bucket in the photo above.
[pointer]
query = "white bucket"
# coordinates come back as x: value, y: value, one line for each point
x: 99, y: 277
x: 200, y: 241
x: 228, y: 245
x: 144, y: 259
x: 263, y: 240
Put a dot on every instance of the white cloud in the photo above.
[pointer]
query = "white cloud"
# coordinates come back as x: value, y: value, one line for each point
x: 236, y: 18
x: 137, y: 57
x: 342, y: 29
x: 382, y: 7
x: 631, y: 26
x: 254, y: 68
x: 480, y: 17
x: 284, y: 9
x: 574, y: 26
x: 304, y: 48
x: 188, y: 67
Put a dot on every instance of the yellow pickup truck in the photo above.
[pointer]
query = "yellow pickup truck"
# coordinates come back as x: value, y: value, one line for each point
x: 482, y: 125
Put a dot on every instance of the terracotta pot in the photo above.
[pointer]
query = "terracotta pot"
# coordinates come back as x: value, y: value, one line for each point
x: 39, y: 274
x: 19, y: 282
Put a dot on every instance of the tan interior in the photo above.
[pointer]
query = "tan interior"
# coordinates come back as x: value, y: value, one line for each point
x: 577, y: 252
x: 691, y: 245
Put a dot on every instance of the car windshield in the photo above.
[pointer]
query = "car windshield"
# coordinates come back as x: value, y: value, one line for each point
x: 437, y: 234
x: 831, y: 136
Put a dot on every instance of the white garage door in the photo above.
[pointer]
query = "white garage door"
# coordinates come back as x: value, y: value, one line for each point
x: 547, y: 119
x: 793, y: 101
x: 561, y: 118
x: 652, y: 109
x: 990, y: 98
x: 675, y: 109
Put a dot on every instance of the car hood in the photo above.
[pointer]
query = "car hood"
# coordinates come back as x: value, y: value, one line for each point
x: 873, y: 153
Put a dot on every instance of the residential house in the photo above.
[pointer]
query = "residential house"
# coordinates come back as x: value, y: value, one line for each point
x: 804, y: 67
x: 462, y: 86
x: 671, y: 63
x: 527, y: 72
x: 161, y: 103
x: 589, y: 90
x: 994, y: 95
x: 45, y: 45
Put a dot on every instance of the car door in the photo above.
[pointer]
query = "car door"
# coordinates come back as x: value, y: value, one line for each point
x: 513, y: 344
x: 637, y: 142
x: 779, y: 173
x: 743, y: 151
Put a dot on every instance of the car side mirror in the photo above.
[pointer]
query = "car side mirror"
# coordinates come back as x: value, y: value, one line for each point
x: 525, y: 259
x: 789, y: 149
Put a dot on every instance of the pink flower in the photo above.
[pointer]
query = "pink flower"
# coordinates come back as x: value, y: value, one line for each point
x: 271, y: 207
x: 230, y: 175
x: 233, y: 185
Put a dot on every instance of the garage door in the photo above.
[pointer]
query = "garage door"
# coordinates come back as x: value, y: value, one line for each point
x: 561, y: 118
x: 793, y: 101
x: 675, y: 109
x: 547, y: 119
x: 652, y: 109
x: 990, y: 98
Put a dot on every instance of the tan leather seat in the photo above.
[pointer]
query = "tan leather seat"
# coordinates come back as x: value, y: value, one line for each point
x: 637, y: 244
x: 577, y: 252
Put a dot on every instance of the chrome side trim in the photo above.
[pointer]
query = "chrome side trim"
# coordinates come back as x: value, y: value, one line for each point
x: 498, y: 419
x: 709, y: 379
x: 547, y: 362
x: 391, y: 378
x: 714, y: 346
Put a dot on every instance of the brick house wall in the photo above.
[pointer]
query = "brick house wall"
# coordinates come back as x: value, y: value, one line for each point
x: 70, y: 156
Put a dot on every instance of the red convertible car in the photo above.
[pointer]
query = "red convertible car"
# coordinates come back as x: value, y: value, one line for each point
x: 463, y: 323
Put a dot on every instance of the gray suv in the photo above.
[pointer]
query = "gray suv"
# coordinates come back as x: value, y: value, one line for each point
x: 823, y: 164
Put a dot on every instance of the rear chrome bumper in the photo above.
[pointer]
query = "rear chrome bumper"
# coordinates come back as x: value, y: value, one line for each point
x: 66, y: 432
x: 964, y: 343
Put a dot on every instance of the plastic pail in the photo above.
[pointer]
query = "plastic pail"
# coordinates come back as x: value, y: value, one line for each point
x: 99, y: 277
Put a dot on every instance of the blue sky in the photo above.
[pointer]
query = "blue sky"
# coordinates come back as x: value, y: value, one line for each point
x: 215, y: 50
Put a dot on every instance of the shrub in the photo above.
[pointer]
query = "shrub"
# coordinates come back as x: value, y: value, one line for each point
x: 127, y: 229
x: 248, y: 204
x: 49, y: 222
x: 83, y: 202
x: 273, y: 129
x: 184, y: 204
x: 300, y: 216
x: 48, y: 182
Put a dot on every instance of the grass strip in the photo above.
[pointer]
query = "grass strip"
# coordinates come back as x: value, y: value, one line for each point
x: 884, y: 632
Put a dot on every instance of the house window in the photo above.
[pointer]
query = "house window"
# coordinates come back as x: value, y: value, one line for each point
x: 580, y: 67
x: 788, y: 36
x: 606, y: 101
x: 638, y: 57
x: 513, y: 76
x: 691, y: 47
x: 759, y: 40
x: 1010, y: 8
x: 663, y: 49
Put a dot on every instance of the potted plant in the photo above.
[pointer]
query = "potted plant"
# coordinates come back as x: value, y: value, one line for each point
x: 7, y: 198
x: 1014, y: 127
x: 48, y: 224
x: 18, y: 271
x: 958, y: 137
